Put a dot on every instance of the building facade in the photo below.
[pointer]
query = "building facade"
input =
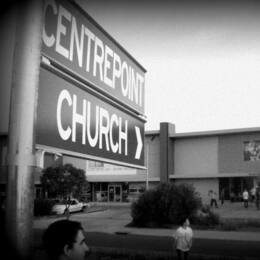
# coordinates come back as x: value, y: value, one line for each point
x: 217, y: 160
x: 211, y: 160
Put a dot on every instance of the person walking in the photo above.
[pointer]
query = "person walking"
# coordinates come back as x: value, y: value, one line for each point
x: 245, y: 198
x: 222, y: 196
x: 253, y: 193
x: 183, y: 239
x: 213, y: 198
x: 257, y: 197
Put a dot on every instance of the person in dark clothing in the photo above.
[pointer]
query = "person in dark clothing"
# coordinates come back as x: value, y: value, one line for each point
x: 222, y: 196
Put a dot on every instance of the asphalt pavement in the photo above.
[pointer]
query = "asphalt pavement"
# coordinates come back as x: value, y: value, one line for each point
x: 106, y: 229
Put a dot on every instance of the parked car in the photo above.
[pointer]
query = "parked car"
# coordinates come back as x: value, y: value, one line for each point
x: 73, y: 206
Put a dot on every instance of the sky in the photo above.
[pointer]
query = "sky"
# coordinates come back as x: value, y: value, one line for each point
x: 202, y: 58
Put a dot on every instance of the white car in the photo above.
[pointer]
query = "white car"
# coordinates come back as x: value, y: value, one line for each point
x: 74, y: 206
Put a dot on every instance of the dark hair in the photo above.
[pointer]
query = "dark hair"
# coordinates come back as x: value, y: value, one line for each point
x: 182, y: 220
x: 59, y: 234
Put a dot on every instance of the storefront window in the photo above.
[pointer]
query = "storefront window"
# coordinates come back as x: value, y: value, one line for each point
x: 234, y: 187
x: 110, y: 192
x: 100, y: 192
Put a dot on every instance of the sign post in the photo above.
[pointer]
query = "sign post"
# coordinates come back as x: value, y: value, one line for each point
x: 21, y: 144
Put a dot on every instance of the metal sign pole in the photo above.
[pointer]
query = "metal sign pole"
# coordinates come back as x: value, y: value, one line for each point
x: 21, y: 143
x: 147, y: 165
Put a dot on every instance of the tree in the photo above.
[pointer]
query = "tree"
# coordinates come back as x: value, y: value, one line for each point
x: 64, y: 181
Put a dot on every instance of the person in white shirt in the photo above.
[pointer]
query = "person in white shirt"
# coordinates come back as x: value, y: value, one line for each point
x: 245, y: 198
x: 213, y: 198
x: 183, y: 239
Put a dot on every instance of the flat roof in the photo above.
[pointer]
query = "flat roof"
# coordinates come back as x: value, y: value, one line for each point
x: 208, y: 133
x: 217, y: 132
x: 155, y: 132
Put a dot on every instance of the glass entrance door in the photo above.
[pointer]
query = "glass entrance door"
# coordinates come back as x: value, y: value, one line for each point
x: 118, y: 193
x: 115, y: 193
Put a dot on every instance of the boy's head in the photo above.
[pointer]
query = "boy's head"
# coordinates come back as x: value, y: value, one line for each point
x: 65, y: 238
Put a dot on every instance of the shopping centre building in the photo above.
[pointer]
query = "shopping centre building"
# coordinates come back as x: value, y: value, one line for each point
x: 210, y: 160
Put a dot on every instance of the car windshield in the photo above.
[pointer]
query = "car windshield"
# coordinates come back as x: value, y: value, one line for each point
x: 67, y: 202
x: 61, y: 202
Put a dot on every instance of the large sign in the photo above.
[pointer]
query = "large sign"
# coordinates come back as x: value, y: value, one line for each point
x: 74, y: 120
x: 77, y: 43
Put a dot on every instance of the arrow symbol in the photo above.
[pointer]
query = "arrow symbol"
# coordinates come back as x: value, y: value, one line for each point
x: 139, y: 143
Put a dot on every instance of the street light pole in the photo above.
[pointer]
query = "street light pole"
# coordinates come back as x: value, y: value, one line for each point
x: 21, y: 138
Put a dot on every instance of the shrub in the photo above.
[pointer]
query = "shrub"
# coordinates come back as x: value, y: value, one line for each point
x: 206, y: 217
x: 167, y: 204
x: 42, y: 207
